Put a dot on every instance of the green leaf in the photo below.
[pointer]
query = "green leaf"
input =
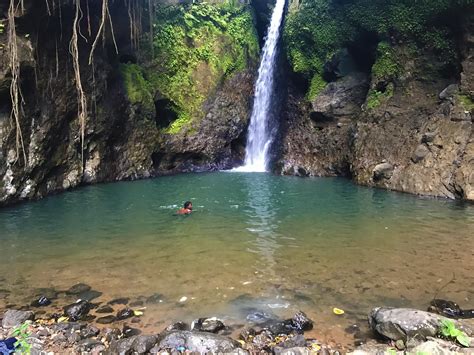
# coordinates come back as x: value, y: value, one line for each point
x: 463, y: 339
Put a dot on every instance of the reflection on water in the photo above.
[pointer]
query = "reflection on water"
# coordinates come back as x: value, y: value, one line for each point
x: 261, y: 214
x: 254, y: 240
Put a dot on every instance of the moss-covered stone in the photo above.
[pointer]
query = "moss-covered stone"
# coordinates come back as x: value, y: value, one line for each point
x: 466, y: 102
x: 138, y: 88
x: 316, y: 86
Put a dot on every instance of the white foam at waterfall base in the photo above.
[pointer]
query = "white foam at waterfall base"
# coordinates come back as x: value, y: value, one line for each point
x: 260, y: 135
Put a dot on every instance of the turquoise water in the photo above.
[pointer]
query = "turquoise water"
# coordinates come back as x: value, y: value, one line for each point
x: 275, y: 243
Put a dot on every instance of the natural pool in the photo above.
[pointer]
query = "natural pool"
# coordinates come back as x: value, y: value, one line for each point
x: 259, y: 241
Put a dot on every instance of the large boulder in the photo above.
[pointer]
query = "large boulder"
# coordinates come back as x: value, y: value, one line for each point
x: 405, y: 323
x: 199, y: 342
x: 13, y: 318
x: 343, y: 97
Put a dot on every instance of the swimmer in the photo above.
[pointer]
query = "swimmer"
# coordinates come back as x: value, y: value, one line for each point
x: 187, y: 209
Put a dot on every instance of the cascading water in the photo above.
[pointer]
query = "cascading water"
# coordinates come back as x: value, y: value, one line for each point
x: 259, y: 134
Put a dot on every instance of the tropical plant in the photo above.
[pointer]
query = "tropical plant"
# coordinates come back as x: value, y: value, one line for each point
x: 22, y: 335
x: 448, y: 330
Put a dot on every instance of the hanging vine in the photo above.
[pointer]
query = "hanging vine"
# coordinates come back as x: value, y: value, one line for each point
x: 81, y: 97
x: 15, y: 89
x: 101, y: 30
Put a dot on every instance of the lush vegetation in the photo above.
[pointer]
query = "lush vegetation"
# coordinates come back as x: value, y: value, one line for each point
x: 195, y: 48
x: 317, y: 29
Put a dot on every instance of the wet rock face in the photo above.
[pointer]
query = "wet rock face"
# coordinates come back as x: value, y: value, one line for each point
x: 419, y: 139
x: 217, y: 140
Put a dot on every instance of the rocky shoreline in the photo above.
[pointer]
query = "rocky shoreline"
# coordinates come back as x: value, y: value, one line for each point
x: 113, y: 327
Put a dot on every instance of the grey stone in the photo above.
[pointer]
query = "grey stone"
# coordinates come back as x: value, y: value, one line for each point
x: 420, y: 153
x: 122, y: 346
x: 143, y: 343
x: 382, y: 171
x: 13, y: 318
x: 343, y: 97
x: 211, y: 325
x: 292, y: 351
x: 200, y: 342
x: 408, y: 324
x: 428, y: 137
x: 449, y: 91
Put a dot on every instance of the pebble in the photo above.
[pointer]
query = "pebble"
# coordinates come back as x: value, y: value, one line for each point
x: 183, y: 299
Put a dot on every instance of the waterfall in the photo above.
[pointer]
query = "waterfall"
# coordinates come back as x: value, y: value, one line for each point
x: 260, y: 135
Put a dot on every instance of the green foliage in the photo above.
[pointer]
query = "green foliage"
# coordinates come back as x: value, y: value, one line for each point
x: 22, y: 335
x: 316, y: 29
x: 448, y: 330
x: 386, y: 66
x: 196, y: 48
x: 137, y: 87
x: 466, y: 102
x: 375, y: 98
x: 316, y: 86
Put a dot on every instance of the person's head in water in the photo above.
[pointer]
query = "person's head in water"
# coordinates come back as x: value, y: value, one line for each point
x: 187, y: 208
x: 188, y: 205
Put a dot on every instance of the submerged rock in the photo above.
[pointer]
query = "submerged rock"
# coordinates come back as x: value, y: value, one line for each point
x: 13, y: 318
x: 89, y: 295
x: 78, y: 288
x: 41, y: 302
x: 104, y: 309
x: 123, y: 300
x: 301, y: 322
x: 198, y: 342
x: 78, y: 310
x: 125, y: 313
x: 106, y: 319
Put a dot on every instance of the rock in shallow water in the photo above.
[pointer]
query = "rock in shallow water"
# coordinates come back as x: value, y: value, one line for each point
x: 41, y: 302
x: 125, y: 313
x: 78, y: 310
x: 211, y: 325
x: 106, y: 319
x: 78, y: 288
x: 105, y: 309
x: 13, y: 318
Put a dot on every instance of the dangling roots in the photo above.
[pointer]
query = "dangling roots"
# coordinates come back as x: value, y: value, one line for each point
x: 15, y: 90
x: 81, y: 97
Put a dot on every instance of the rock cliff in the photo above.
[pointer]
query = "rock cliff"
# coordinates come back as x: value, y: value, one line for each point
x: 401, y: 121
x: 138, y: 124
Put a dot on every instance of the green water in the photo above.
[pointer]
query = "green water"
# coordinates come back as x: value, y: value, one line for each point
x: 276, y: 243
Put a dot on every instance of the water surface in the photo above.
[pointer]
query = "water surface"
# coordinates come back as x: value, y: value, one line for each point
x: 259, y: 241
